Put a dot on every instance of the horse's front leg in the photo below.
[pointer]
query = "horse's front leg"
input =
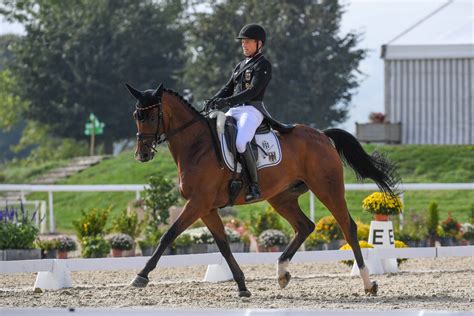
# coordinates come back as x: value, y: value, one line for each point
x: 214, y: 223
x: 191, y: 212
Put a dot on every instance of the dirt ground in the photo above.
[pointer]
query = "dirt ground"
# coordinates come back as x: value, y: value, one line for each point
x: 430, y: 284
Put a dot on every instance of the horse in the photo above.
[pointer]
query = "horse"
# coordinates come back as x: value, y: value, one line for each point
x: 311, y: 160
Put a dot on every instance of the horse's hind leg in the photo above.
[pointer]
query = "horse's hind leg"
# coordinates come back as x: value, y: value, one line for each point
x: 331, y: 194
x: 286, y: 204
x: 214, y: 223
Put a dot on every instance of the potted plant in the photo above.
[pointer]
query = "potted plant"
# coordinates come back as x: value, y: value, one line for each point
x: 452, y: 231
x: 467, y: 230
x: 119, y: 243
x: 18, y: 233
x: 272, y: 240
x: 94, y: 247
x: 127, y: 223
x: 382, y: 205
x: 90, y: 232
x: 65, y: 244
x: 182, y: 244
x: 49, y: 248
x: 329, y: 228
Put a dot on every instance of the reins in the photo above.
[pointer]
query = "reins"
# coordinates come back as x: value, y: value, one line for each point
x: 158, y: 138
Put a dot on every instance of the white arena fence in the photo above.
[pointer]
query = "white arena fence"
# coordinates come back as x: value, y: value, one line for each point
x: 55, y: 273
x: 138, y: 188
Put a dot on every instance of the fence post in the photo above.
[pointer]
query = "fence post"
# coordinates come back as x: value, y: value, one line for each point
x: 52, y: 229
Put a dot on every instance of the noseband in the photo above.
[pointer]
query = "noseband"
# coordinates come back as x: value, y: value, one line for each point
x: 157, y: 138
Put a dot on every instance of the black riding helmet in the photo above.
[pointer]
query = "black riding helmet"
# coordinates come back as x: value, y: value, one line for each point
x: 253, y: 31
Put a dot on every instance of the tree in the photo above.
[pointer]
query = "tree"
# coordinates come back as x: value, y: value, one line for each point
x: 77, y: 55
x: 313, y: 66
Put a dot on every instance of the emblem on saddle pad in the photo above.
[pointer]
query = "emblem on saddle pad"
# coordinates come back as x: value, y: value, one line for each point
x: 268, y: 142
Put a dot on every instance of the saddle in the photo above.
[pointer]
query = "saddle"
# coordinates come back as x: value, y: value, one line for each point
x: 265, y: 146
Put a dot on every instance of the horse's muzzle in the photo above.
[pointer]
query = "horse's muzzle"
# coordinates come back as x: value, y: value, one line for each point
x: 144, y: 156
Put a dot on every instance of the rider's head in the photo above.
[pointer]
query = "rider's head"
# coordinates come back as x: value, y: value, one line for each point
x: 253, y: 38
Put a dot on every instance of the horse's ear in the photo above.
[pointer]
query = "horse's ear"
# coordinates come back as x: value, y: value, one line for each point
x: 136, y: 93
x: 158, y: 91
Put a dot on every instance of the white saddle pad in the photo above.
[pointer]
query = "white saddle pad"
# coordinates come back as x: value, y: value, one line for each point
x: 270, y: 144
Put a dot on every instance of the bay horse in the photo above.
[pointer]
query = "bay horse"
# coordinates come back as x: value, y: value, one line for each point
x: 311, y: 159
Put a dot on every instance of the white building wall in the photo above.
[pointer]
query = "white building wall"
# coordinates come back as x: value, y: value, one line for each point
x: 432, y: 98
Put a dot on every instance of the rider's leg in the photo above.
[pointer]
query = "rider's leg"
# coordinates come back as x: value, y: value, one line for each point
x: 247, y: 124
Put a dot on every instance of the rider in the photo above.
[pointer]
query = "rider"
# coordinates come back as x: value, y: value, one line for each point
x: 243, y: 93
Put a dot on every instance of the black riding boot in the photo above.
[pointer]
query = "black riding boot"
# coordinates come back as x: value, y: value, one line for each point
x: 250, y: 165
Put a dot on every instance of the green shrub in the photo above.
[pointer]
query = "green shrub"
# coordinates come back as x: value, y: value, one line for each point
x: 17, y: 229
x: 269, y: 219
x: 159, y: 197
x: 91, y: 223
x: 47, y: 244
x: 94, y: 247
x: 433, y: 219
x: 127, y: 224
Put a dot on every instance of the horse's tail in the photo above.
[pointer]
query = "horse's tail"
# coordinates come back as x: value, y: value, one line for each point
x: 376, y: 166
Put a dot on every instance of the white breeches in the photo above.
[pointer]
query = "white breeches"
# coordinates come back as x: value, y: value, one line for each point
x: 248, y: 120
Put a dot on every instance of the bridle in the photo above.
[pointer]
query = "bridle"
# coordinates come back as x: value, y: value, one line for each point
x: 157, y: 138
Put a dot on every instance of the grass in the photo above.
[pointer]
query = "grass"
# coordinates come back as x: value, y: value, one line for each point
x: 416, y: 164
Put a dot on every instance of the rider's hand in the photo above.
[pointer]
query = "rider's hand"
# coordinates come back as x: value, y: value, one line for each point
x: 208, y: 104
x: 220, y: 103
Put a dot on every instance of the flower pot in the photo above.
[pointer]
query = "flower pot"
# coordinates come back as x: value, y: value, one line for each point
x: 62, y: 254
x: 117, y: 252
x: 381, y: 217
x: 129, y: 253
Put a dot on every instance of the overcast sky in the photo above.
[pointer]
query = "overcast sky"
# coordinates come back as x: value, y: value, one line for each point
x: 380, y: 21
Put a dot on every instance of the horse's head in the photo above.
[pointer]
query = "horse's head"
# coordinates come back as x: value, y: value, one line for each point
x: 148, y: 117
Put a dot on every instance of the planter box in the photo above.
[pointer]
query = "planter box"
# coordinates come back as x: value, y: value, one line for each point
x: 379, y: 132
x: 148, y: 251
x: 20, y: 254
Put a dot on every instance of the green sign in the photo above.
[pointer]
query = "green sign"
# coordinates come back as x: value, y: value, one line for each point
x: 94, y: 126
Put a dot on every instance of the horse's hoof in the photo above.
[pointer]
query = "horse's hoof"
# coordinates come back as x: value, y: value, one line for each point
x: 284, y: 280
x: 140, y: 282
x: 373, y: 290
x: 245, y: 293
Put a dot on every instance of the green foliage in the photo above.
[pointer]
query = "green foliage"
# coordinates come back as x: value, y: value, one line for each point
x: 47, y: 244
x: 121, y: 241
x: 17, y: 229
x: 76, y: 56
x: 94, y: 247
x: 433, y: 219
x: 311, y: 58
x: 151, y: 235
x: 12, y: 106
x: 268, y: 219
x: 91, y: 223
x: 159, y: 197
x: 127, y: 224
x: 17, y: 236
x: 414, y: 228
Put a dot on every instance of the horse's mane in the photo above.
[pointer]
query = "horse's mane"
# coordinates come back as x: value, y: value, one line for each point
x: 183, y: 100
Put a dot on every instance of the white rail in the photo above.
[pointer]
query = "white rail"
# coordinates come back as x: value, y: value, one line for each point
x: 137, y: 188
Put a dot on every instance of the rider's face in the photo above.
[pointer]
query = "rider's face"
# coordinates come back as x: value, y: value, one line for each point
x: 249, y: 46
